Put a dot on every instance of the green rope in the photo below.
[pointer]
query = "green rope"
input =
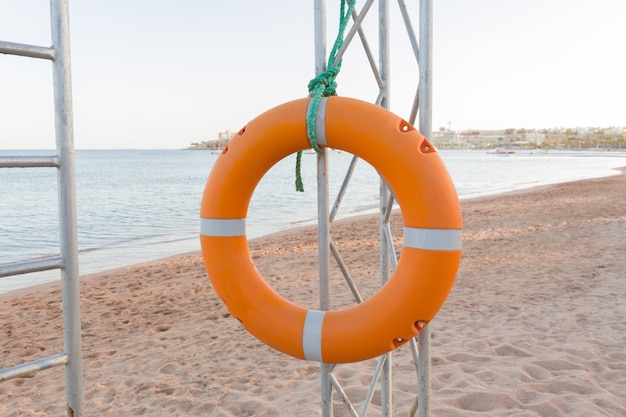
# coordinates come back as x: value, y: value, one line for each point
x: 324, y: 85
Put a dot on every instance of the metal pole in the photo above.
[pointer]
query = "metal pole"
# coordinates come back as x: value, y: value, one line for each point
x: 385, y: 266
x: 59, y: 13
x: 384, y: 55
x: 322, y: 209
x: 425, y: 126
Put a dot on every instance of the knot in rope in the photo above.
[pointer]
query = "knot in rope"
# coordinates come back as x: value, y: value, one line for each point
x: 325, y: 82
x: 324, y: 85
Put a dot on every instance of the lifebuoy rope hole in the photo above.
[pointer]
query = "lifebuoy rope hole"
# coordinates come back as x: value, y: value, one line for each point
x: 430, y: 210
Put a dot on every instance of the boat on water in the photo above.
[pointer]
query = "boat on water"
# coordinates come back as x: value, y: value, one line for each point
x: 502, y: 152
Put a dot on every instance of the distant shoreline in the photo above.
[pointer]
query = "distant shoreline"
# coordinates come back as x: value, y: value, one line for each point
x: 207, y: 146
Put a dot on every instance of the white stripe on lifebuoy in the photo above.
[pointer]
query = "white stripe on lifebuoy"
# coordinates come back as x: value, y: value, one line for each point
x: 312, y: 335
x: 432, y: 239
x: 223, y: 227
x: 320, y: 121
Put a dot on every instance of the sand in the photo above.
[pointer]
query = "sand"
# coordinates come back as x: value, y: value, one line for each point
x: 534, y: 326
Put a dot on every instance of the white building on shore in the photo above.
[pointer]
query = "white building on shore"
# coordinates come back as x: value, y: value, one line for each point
x: 226, y: 135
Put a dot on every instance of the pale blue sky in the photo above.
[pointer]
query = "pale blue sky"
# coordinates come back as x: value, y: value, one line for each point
x: 163, y: 74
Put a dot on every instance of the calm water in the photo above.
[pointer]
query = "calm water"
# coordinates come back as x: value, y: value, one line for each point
x: 139, y: 205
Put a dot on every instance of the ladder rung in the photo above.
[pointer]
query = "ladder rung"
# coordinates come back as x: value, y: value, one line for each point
x: 31, y: 265
x: 23, y: 49
x: 28, y: 368
x: 28, y: 161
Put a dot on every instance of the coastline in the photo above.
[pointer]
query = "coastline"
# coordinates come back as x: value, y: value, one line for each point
x: 104, y: 243
x: 533, y: 325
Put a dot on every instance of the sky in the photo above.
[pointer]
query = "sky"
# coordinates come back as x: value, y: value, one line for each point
x: 159, y: 74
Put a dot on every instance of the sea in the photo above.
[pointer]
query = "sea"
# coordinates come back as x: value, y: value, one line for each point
x: 134, y: 206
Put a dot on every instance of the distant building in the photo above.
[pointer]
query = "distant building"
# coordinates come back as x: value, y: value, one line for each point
x: 583, y: 131
x: 534, y: 137
x: 487, y: 138
x: 226, y: 135
x: 448, y: 137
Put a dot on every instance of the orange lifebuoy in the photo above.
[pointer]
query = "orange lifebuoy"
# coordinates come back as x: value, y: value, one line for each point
x: 430, y: 210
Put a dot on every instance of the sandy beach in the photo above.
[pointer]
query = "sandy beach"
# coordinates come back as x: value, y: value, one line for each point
x: 534, y: 326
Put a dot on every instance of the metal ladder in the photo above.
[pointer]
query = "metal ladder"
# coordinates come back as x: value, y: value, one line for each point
x: 67, y: 260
